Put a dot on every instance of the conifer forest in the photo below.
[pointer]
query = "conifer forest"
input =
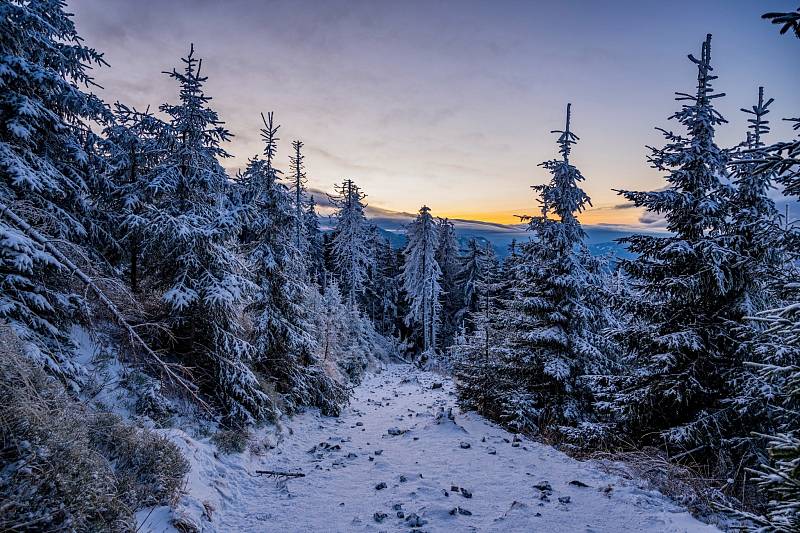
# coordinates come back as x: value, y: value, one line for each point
x: 192, y: 344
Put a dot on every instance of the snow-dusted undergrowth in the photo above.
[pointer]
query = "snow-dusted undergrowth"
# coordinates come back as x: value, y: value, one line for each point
x: 402, y: 457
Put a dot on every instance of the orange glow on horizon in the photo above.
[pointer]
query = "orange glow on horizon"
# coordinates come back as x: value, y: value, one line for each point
x: 596, y: 215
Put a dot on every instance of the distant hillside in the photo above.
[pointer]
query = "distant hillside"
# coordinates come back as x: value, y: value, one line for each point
x: 601, y: 237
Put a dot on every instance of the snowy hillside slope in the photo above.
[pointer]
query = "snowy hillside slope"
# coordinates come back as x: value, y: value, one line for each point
x: 403, y: 458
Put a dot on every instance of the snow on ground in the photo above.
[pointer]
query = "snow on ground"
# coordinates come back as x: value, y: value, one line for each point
x: 402, y: 457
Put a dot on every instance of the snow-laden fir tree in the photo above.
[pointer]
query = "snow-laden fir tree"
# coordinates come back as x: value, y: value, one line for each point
x: 46, y: 172
x: 477, y: 264
x: 779, y: 478
x: 381, y: 289
x: 283, y: 335
x: 421, y: 280
x: 447, y: 257
x: 756, y: 234
x: 755, y: 230
x: 350, y: 246
x: 297, y: 169
x: 315, y: 253
x: 190, y: 250
x: 554, y: 317
x: 386, y: 286
x: 132, y: 147
x: 682, y: 348
x: 478, y: 353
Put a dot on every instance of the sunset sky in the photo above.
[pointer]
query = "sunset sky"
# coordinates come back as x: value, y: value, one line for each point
x: 450, y: 104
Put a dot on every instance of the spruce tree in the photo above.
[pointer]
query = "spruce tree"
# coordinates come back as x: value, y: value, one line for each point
x: 421, y: 280
x: 779, y: 477
x: 298, y: 173
x: 553, y: 319
x: 190, y: 249
x: 315, y: 253
x: 350, y: 246
x: 477, y: 357
x: 682, y: 348
x: 47, y: 172
x: 283, y: 335
x: 477, y: 264
x: 132, y: 147
x: 447, y: 257
x: 754, y: 231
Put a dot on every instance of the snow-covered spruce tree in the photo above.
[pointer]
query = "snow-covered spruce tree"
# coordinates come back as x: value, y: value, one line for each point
x: 682, y: 349
x: 447, y: 257
x: 477, y: 356
x: 780, y: 477
x: 754, y: 228
x: 755, y: 232
x: 385, y: 286
x: 477, y: 264
x: 297, y: 169
x: 315, y: 253
x: 132, y: 147
x: 350, y: 246
x: 380, y: 289
x: 330, y: 316
x: 46, y: 171
x: 283, y: 336
x: 556, y: 310
x: 190, y: 250
x: 421, y: 277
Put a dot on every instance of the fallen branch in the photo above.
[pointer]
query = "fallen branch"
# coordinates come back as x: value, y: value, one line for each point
x: 276, y: 473
x: 112, y: 308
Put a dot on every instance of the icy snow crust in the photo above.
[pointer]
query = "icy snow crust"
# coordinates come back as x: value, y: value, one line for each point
x: 433, y: 452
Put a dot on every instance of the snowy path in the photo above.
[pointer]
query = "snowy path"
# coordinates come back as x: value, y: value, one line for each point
x: 421, y: 468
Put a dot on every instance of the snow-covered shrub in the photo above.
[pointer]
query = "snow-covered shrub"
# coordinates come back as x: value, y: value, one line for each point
x: 64, y: 466
x: 150, y: 402
x: 230, y: 441
x: 346, y: 340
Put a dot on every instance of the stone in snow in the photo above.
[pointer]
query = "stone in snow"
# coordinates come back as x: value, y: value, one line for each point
x: 578, y: 483
x: 380, y: 517
x: 380, y: 486
x: 492, y: 451
x: 465, y: 445
x: 394, y: 431
x: 563, y: 499
x: 415, y: 521
x: 543, y: 486
x: 359, y: 424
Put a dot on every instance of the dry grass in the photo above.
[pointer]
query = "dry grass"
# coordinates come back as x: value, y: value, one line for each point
x: 68, y: 467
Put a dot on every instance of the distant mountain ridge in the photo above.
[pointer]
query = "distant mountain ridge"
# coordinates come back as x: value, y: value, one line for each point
x: 600, y: 237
